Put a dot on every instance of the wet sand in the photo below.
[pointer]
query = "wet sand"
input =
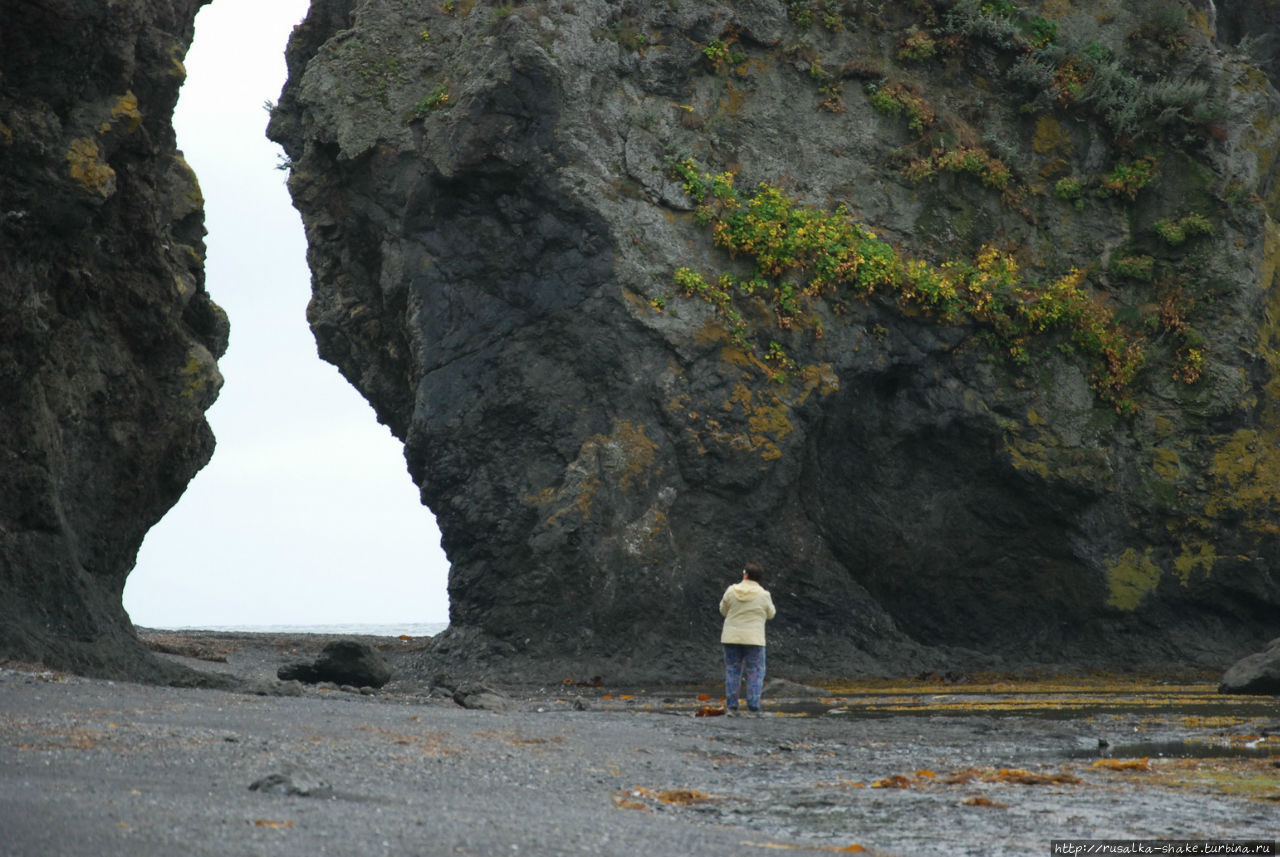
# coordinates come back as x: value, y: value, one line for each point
x: 912, y: 767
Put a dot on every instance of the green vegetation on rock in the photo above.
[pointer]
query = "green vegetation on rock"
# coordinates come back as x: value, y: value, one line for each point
x: 803, y: 253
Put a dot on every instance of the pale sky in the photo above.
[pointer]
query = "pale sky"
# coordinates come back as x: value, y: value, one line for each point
x: 306, y: 514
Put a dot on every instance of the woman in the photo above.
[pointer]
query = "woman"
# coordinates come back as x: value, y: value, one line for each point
x: 745, y: 606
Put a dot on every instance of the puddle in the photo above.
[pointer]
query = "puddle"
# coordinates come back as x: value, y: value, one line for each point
x: 1183, y: 750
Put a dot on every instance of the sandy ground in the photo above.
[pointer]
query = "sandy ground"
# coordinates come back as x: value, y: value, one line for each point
x: 92, y: 767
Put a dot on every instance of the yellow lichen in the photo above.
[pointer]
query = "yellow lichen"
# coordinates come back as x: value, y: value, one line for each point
x: 1050, y: 138
x: 1195, y: 555
x: 195, y: 195
x: 1269, y: 332
x: 1166, y: 463
x: 126, y: 109
x: 1027, y: 456
x: 1247, y: 470
x: 200, y: 375
x: 1130, y: 577
x: 176, y: 68
x: 87, y: 168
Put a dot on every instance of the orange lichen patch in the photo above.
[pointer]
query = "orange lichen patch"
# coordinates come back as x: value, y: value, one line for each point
x: 264, y: 822
x: 961, y: 777
x: 1015, y: 776
x: 639, y: 797
x: 983, y: 801
x: 1123, y: 764
x: 622, y: 802
x: 1029, y: 778
x: 708, y: 711
x: 682, y: 797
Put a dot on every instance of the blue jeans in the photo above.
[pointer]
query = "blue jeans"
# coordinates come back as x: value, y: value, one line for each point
x: 738, y: 659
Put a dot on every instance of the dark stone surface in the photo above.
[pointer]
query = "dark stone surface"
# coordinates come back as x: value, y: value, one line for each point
x: 303, y: 671
x: 354, y: 663
x: 1252, y: 26
x: 109, y: 343
x: 494, y: 274
x: 343, y: 662
x: 1258, y: 673
x: 480, y: 697
x: 293, y: 779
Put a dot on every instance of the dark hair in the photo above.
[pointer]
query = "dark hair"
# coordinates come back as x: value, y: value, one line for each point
x: 754, y: 571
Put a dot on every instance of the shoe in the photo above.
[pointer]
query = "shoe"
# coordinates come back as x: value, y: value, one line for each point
x: 730, y: 712
x: 754, y: 712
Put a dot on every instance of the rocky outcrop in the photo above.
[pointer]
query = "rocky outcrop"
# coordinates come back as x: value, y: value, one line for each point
x: 1015, y: 396
x: 960, y: 317
x: 343, y: 662
x: 109, y: 341
x: 1258, y: 673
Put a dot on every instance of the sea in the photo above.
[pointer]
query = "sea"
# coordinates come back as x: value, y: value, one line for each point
x: 395, y: 629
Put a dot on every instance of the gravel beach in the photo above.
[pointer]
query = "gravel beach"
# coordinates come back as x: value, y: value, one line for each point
x: 917, y: 767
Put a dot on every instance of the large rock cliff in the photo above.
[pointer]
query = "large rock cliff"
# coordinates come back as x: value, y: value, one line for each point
x: 109, y: 341
x: 959, y: 316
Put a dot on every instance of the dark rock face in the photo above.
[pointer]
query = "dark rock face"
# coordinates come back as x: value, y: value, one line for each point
x: 1258, y: 673
x: 343, y: 662
x: 495, y: 227
x: 1253, y: 26
x: 109, y: 341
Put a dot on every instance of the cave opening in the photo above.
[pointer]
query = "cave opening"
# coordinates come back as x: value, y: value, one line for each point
x: 306, y: 516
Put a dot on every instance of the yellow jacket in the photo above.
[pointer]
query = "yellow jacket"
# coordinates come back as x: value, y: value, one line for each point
x: 745, y: 606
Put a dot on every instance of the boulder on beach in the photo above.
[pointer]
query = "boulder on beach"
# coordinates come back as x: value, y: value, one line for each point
x: 292, y: 778
x: 472, y: 694
x: 1258, y: 673
x: 342, y: 662
x: 480, y: 697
